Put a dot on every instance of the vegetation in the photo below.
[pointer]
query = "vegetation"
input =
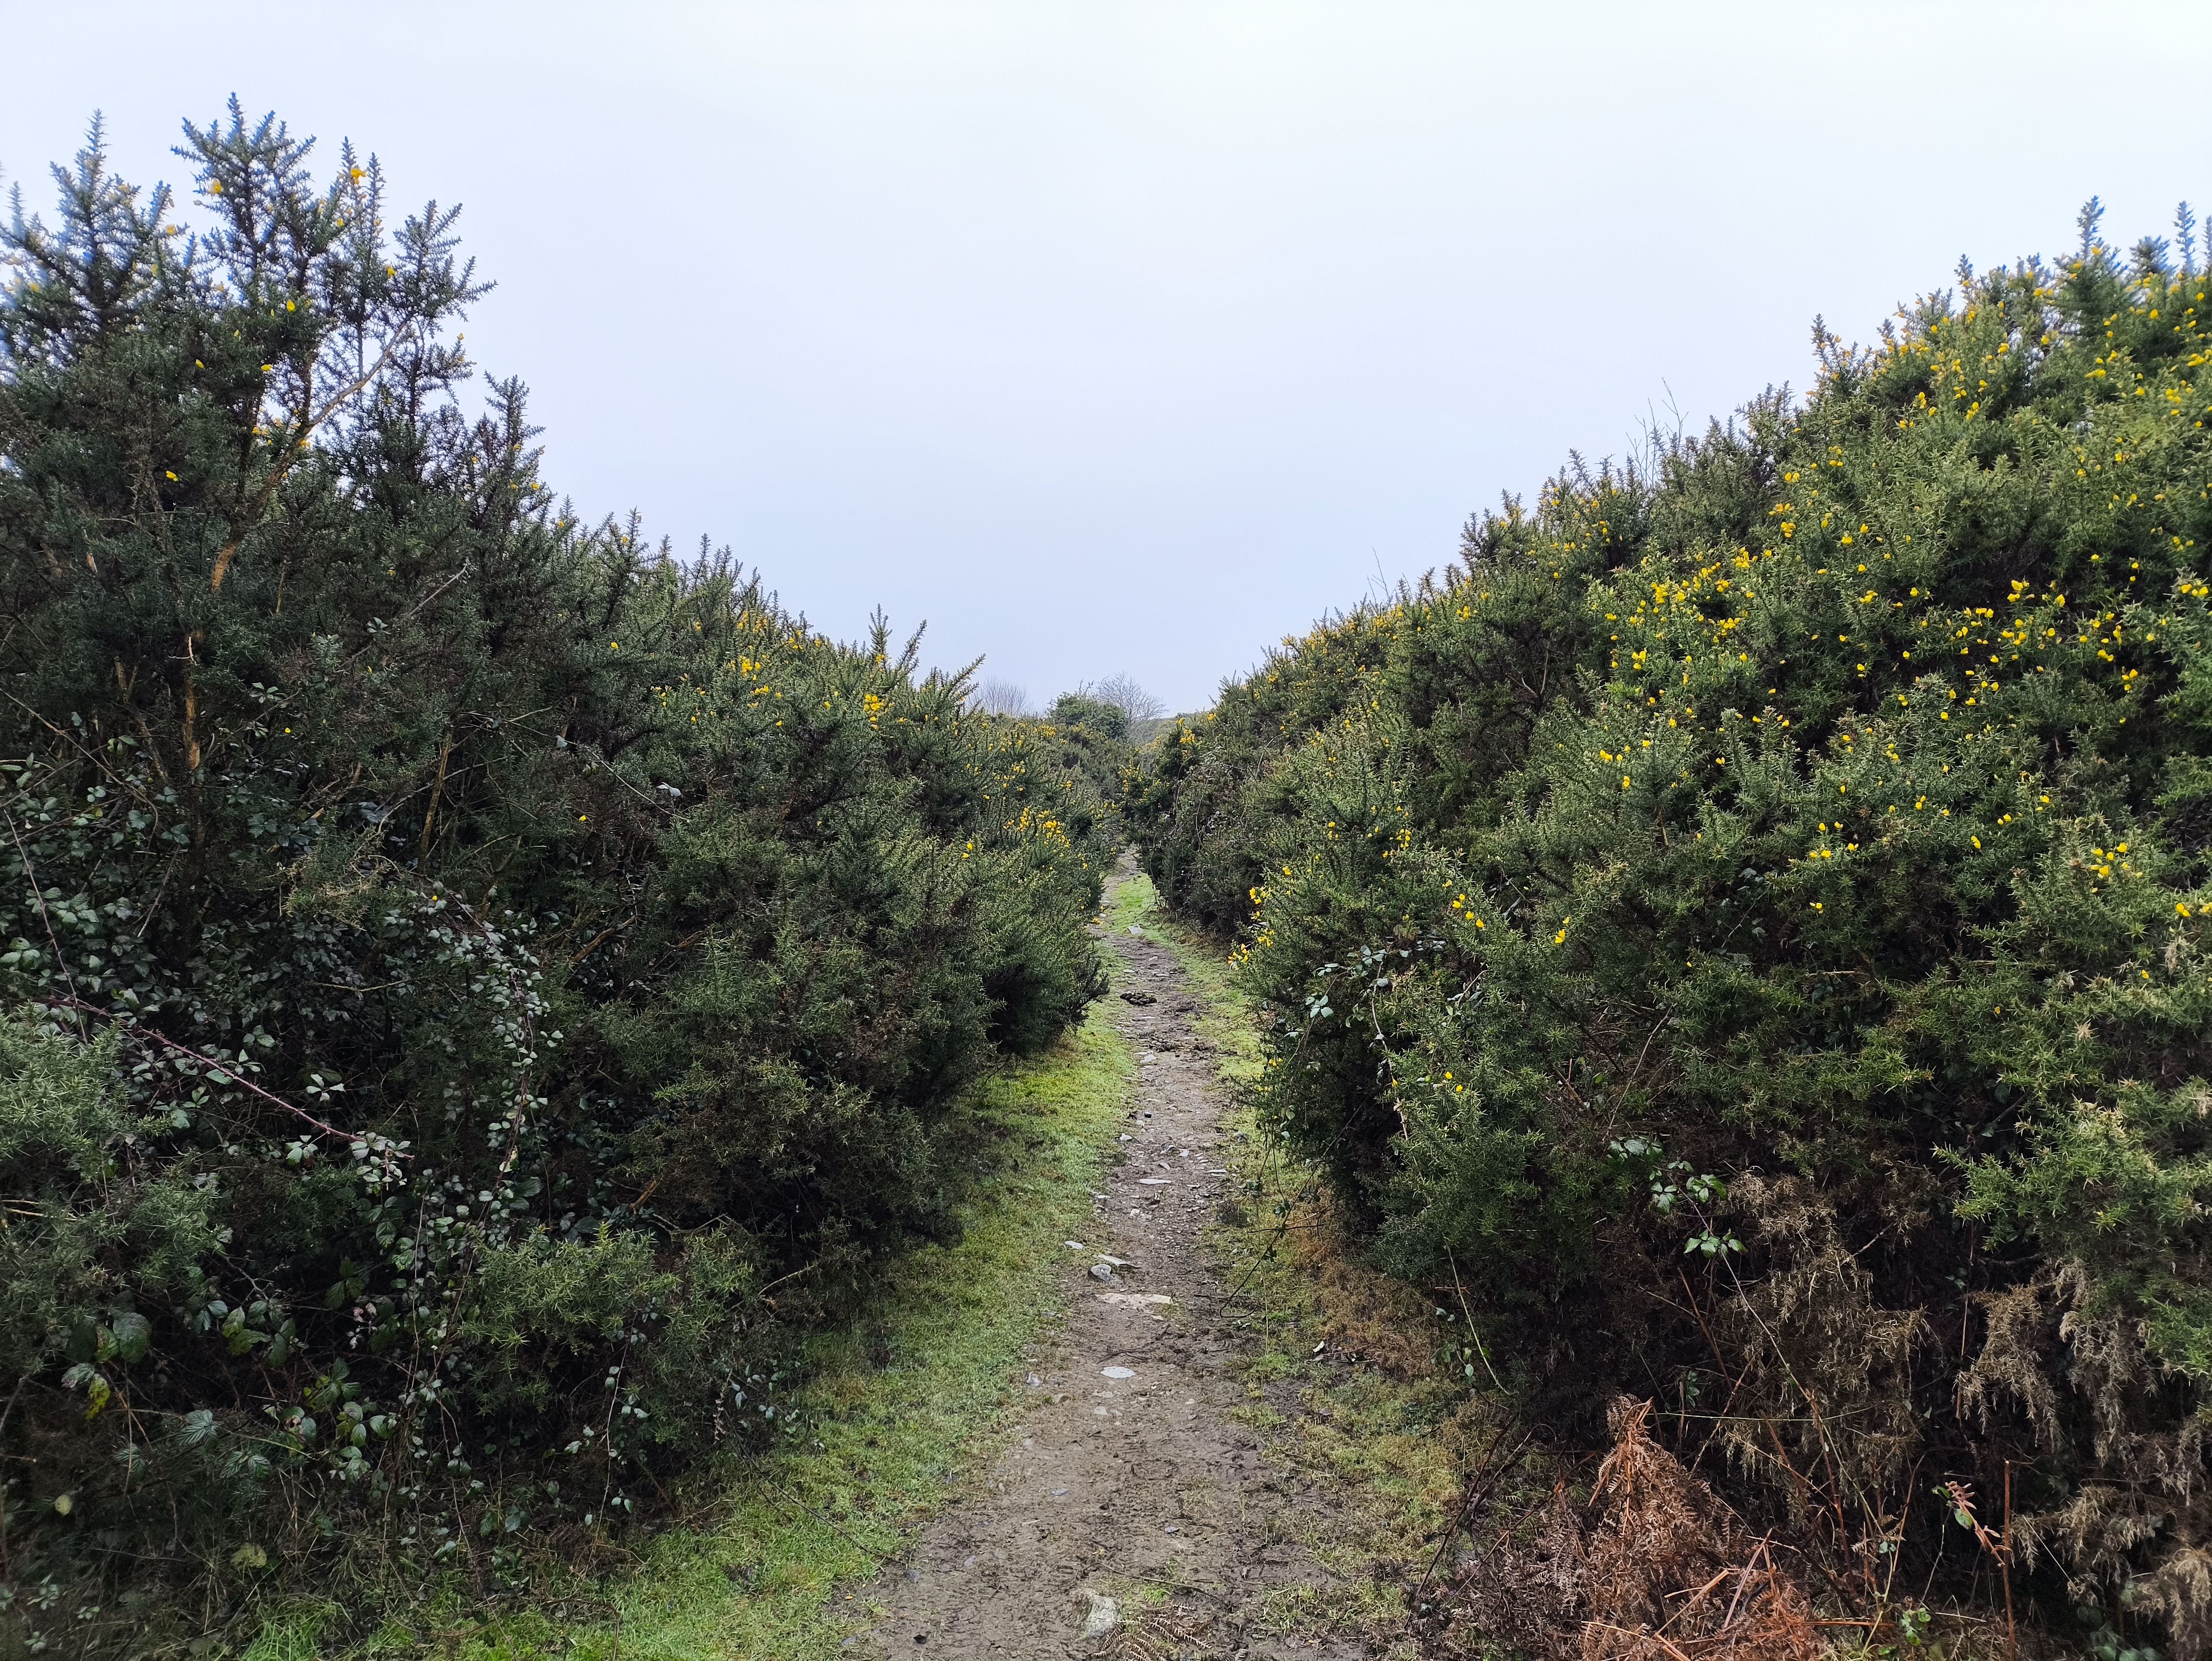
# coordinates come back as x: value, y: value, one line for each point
x: 498, y: 1022
x: 479, y: 990
x: 1745, y: 924
x: 1353, y: 1378
x: 907, y: 1386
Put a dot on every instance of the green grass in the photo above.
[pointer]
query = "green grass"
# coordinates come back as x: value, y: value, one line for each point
x: 767, y: 1565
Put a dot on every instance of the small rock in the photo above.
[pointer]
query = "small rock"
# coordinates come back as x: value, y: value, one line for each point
x: 914, y: 1574
x: 1104, y: 1614
x: 1034, y: 1382
x: 1115, y: 1372
x: 1139, y: 998
x: 1138, y: 931
x: 1102, y: 1272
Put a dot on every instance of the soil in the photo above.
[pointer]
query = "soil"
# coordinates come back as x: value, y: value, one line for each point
x: 1128, y: 1478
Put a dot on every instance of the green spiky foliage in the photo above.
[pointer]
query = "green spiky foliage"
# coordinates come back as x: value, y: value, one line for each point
x: 1744, y: 925
x: 475, y: 984
x: 1090, y: 745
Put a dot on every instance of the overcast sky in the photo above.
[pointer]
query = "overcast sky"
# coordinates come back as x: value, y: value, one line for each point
x: 1130, y: 337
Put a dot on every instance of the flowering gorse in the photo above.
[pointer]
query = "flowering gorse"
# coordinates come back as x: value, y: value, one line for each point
x: 1825, y: 801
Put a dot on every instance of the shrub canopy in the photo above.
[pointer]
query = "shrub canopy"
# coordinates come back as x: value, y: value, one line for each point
x: 475, y: 981
x: 1745, y: 923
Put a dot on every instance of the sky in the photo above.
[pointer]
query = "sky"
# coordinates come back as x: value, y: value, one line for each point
x: 1130, y: 338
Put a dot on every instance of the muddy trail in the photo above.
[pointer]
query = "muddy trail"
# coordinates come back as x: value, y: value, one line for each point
x: 1133, y: 1515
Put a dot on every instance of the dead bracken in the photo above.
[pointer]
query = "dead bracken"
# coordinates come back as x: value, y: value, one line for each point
x: 1655, y: 1567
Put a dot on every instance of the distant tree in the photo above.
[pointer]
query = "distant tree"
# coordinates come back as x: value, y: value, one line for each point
x: 1123, y: 692
x: 1083, y: 709
x: 1000, y: 697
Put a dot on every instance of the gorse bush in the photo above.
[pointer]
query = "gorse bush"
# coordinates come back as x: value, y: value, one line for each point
x: 1744, y: 925
x: 477, y: 985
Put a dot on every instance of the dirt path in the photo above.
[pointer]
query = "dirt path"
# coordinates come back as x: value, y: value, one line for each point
x: 1128, y: 1480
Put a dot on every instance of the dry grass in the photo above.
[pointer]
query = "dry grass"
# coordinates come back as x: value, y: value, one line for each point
x: 1166, y: 1634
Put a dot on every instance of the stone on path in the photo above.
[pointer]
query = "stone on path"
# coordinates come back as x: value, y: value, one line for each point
x: 1105, y: 1612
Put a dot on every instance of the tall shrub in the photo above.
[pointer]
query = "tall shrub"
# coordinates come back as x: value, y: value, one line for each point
x: 474, y: 983
x: 1742, y: 925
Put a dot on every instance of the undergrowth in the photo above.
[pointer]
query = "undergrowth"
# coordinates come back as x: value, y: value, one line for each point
x: 478, y: 994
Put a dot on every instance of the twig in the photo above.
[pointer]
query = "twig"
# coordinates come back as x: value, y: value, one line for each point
x: 40, y: 900
x: 1744, y: 1580
x: 788, y: 1498
x: 225, y: 1072
x: 1649, y: 1637
x: 1474, y: 1493
x: 780, y: 1279
x: 1468, y: 1315
x: 1155, y: 1578
x: 2012, y: 1632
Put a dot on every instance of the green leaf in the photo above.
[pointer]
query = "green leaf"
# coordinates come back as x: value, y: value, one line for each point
x: 133, y: 1335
